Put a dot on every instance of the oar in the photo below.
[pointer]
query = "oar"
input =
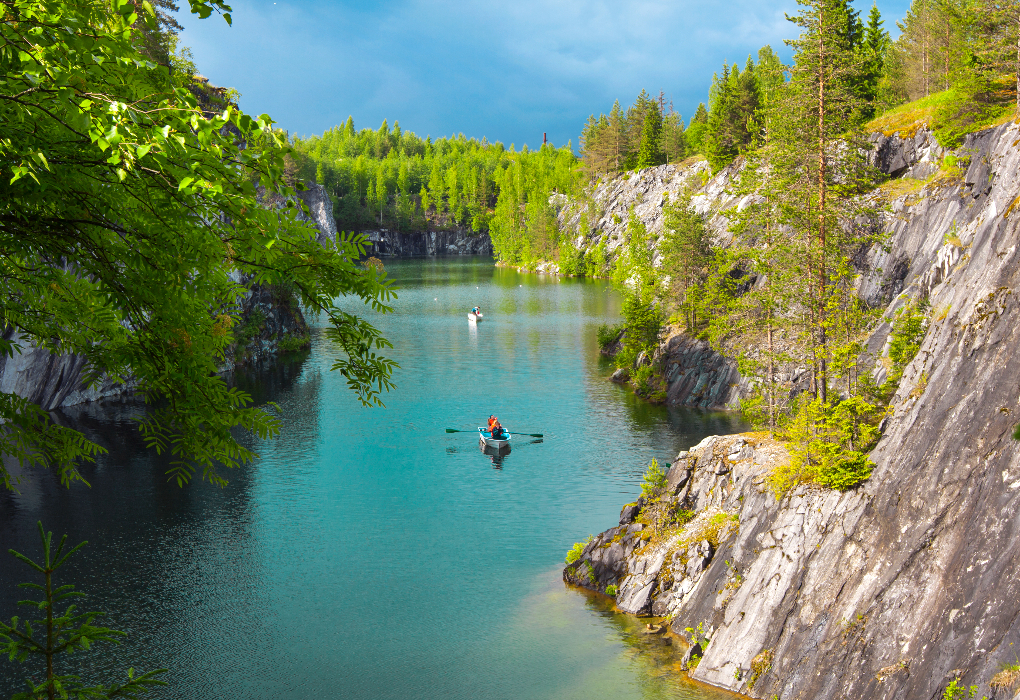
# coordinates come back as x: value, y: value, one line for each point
x: 452, y: 430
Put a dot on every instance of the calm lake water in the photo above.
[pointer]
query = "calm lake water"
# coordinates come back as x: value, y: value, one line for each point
x: 368, y: 554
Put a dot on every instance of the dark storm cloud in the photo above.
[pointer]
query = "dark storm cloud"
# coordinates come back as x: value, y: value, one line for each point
x: 508, y: 71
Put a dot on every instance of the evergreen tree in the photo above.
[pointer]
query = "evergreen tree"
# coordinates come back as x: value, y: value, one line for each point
x: 873, y: 59
x: 674, y: 139
x: 696, y: 130
x: 734, y: 99
x: 686, y: 253
x: 821, y: 109
x: 650, y: 152
x: 60, y: 632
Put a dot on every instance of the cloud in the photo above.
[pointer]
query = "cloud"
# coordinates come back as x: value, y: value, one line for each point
x: 508, y: 71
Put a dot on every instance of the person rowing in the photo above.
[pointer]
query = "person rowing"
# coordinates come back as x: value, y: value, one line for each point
x: 497, y: 432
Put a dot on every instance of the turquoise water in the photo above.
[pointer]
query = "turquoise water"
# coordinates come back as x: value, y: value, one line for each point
x: 369, y: 554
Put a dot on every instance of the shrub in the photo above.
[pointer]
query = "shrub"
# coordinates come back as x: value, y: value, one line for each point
x: 611, y: 590
x: 907, y: 334
x: 654, y: 480
x: 294, y: 343
x: 642, y: 377
x: 828, y: 444
x: 575, y: 552
x: 608, y: 335
x: 760, y: 665
x: 1008, y: 677
x: 956, y: 691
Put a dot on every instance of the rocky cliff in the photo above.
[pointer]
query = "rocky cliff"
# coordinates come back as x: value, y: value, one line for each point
x: 269, y: 317
x: 924, y: 206
x: 911, y: 581
x: 394, y: 244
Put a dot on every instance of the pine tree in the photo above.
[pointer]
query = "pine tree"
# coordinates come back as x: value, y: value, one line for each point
x: 819, y: 116
x: 696, y: 130
x: 616, y: 138
x: 650, y: 152
x: 685, y: 251
x: 873, y: 58
x: 673, y: 140
x: 62, y: 631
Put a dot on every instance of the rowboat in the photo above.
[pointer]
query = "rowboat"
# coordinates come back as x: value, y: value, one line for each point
x: 485, y: 439
x: 472, y: 316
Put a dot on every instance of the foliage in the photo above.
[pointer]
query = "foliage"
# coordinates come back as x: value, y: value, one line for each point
x: 607, y: 335
x: 524, y: 227
x: 686, y: 254
x: 575, y: 552
x: 734, y: 98
x: 153, y: 203
x: 828, y: 444
x: 393, y: 178
x: 646, y: 134
x: 612, y: 590
x: 760, y: 665
x: 62, y: 631
x: 643, y: 321
x: 294, y: 343
x: 905, y: 340
x: 654, y: 480
x: 958, y: 691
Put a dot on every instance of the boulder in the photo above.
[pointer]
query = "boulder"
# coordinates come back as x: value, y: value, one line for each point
x: 629, y: 512
x: 692, y: 650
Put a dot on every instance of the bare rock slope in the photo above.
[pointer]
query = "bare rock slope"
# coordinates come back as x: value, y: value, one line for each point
x: 897, y: 588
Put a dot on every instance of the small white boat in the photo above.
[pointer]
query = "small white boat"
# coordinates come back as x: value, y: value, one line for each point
x: 485, y: 439
x: 472, y: 316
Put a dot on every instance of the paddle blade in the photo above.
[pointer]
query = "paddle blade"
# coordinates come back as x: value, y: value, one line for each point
x: 451, y: 430
x: 537, y: 435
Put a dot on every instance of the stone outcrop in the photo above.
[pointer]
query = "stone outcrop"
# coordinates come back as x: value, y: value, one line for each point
x: 267, y: 316
x: 896, y: 588
x: 393, y: 244
x: 930, y: 228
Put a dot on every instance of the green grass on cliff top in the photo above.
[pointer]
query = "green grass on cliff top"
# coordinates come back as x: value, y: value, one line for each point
x: 951, y: 114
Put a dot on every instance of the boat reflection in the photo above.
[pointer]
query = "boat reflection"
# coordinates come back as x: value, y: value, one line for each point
x: 495, y: 454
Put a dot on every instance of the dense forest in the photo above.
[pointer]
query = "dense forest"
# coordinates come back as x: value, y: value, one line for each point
x: 390, y: 178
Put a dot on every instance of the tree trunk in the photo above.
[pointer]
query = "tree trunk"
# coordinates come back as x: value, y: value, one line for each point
x: 821, y: 205
x: 51, y: 692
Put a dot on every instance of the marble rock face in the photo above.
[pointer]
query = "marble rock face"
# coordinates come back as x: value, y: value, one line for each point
x: 895, y: 588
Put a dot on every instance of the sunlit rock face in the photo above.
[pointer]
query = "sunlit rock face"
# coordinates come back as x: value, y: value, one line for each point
x: 896, y: 588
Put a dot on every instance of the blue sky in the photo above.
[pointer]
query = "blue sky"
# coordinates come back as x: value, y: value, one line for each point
x: 507, y: 71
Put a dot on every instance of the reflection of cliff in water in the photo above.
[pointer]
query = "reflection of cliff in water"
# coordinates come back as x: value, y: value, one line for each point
x: 151, y: 540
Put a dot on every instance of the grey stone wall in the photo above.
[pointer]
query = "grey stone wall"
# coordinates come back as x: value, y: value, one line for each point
x: 896, y: 588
